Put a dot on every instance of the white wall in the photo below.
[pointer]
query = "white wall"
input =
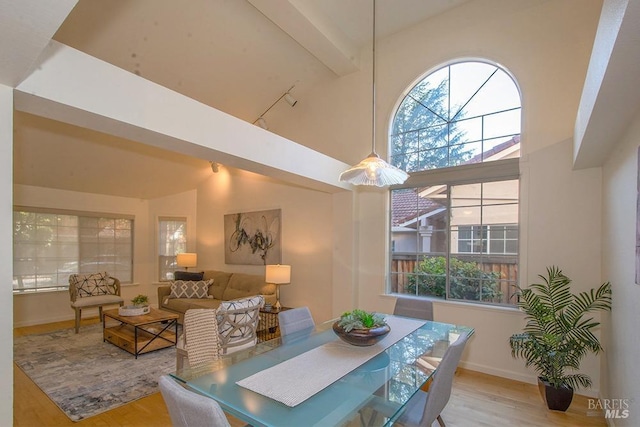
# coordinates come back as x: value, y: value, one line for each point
x: 6, y: 252
x: 307, y: 229
x: 621, y: 376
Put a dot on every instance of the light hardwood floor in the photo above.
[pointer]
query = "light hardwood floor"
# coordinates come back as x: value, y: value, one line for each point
x: 477, y: 400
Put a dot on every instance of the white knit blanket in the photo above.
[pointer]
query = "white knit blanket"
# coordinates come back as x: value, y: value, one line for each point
x: 297, y: 379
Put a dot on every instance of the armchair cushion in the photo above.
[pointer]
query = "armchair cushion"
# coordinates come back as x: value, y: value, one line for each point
x: 96, y: 301
x: 190, y: 289
x: 91, y: 285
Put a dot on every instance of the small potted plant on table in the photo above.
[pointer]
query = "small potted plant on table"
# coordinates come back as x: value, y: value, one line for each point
x: 361, y: 328
x: 140, y: 306
x: 557, y: 336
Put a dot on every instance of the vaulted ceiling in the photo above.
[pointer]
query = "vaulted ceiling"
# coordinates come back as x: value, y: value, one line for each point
x: 237, y: 56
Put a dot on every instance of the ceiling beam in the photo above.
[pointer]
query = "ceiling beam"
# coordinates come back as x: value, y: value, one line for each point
x: 72, y: 87
x: 314, y: 32
x: 611, y: 93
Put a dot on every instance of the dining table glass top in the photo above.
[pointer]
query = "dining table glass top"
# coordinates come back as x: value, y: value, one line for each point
x: 373, y: 393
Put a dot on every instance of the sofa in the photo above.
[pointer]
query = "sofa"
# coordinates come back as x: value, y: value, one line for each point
x: 225, y: 286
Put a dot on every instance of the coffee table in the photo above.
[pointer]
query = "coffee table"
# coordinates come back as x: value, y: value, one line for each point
x: 140, y: 334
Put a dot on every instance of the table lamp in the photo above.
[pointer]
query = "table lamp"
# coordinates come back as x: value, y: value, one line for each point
x: 278, y: 275
x: 186, y: 260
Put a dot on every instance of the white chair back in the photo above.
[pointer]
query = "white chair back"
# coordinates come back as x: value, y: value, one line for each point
x: 440, y: 389
x: 238, y: 323
x: 189, y: 409
x: 295, y: 320
x: 417, y: 308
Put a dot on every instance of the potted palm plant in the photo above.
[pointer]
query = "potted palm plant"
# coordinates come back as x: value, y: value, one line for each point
x: 557, y: 335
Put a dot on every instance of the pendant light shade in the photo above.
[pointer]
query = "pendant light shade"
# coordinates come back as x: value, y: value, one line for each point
x: 373, y: 170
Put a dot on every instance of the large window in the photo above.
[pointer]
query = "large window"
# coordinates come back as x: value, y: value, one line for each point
x: 454, y: 223
x: 172, y: 240
x: 48, y: 246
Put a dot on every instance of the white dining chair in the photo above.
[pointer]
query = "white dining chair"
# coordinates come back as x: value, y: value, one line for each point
x: 425, y: 407
x: 295, y: 320
x: 418, y: 308
x: 190, y: 409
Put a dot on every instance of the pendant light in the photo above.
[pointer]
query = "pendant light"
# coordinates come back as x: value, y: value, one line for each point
x: 373, y: 170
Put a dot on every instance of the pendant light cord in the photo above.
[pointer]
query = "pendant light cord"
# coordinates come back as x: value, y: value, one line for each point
x: 373, y: 84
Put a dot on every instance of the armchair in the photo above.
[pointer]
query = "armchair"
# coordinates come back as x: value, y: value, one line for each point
x: 93, y: 290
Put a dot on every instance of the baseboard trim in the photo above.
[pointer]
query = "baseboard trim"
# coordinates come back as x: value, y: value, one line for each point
x: 517, y: 376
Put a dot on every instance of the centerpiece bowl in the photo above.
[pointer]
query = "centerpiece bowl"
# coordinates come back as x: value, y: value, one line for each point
x: 361, y: 337
x: 361, y: 328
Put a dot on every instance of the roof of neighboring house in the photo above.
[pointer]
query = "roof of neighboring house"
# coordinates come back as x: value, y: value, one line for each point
x: 495, y: 150
x: 406, y: 205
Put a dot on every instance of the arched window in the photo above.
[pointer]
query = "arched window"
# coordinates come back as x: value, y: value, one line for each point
x: 454, y: 223
x: 462, y: 113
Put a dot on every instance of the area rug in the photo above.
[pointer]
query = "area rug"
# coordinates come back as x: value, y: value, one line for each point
x: 85, y: 376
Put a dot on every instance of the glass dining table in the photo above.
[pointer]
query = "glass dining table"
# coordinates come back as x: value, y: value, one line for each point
x: 373, y: 394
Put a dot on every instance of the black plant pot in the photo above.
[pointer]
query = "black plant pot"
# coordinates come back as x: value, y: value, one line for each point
x: 556, y: 398
x: 361, y: 337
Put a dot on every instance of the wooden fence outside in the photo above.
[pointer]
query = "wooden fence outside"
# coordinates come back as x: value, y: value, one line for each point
x: 506, y: 269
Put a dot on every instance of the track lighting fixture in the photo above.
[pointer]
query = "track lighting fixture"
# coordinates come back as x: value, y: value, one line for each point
x: 260, y: 121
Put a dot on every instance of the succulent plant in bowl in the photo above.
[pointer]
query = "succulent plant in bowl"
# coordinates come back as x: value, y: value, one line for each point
x: 360, y: 327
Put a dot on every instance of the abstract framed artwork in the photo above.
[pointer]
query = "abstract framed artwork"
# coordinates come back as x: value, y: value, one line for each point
x: 253, y: 237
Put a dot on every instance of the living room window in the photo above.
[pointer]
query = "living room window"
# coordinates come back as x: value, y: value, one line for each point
x: 172, y: 240
x: 454, y: 227
x: 50, y: 245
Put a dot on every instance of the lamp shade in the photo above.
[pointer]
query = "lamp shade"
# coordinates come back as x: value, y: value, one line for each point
x: 187, y: 259
x: 278, y: 274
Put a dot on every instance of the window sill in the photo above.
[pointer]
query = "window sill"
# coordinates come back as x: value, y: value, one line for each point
x: 163, y: 283
x: 470, y: 305
x: 66, y: 291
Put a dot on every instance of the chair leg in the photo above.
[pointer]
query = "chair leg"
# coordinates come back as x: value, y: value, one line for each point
x: 440, y: 421
x: 78, y: 315
x: 100, y: 313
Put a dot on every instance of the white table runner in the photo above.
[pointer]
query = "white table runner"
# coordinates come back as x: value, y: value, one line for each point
x: 297, y: 379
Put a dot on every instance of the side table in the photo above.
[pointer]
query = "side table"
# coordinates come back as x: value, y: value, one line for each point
x: 268, y: 327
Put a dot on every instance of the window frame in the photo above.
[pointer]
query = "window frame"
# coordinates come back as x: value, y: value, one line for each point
x: 164, y: 259
x: 60, y: 285
x: 481, y: 172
